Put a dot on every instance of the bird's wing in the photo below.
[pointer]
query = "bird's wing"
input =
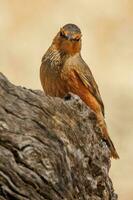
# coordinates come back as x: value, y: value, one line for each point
x: 85, y: 75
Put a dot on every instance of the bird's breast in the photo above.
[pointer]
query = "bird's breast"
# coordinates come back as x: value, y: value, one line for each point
x: 52, y: 81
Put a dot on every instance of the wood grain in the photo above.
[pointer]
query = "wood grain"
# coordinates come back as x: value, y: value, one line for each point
x: 50, y: 148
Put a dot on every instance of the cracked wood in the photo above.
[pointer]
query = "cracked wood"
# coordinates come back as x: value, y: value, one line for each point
x: 50, y: 149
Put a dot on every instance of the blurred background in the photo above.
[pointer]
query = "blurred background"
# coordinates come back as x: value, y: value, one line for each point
x: 26, y: 31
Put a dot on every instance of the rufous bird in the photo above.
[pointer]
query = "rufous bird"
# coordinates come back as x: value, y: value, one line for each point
x: 64, y: 71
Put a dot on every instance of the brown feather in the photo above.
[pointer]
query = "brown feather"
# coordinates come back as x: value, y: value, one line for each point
x: 63, y: 70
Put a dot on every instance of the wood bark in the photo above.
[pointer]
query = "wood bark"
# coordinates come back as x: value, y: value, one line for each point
x: 50, y: 149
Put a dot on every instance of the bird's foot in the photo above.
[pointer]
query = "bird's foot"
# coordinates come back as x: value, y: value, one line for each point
x: 67, y: 97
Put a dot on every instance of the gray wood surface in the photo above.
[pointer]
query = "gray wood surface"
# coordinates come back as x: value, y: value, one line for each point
x: 50, y: 149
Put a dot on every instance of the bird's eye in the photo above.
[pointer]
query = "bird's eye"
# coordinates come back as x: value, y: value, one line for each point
x: 63, y: 35
x: 76, y: 39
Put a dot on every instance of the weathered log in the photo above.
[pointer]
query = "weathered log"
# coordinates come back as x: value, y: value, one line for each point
x: 50, y: 149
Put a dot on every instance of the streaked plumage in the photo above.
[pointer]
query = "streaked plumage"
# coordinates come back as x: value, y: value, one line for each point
x: 63, y: 70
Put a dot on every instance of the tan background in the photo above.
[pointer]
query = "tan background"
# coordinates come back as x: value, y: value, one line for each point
x: 26, y: 30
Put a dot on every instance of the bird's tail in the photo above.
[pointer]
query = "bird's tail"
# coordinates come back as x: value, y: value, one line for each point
x: 109, y: 143
x: 105, y: 136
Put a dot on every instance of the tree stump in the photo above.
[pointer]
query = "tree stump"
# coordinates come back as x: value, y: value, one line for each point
x: 50, y: 149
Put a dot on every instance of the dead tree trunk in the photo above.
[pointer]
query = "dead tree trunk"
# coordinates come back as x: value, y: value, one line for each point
x: 50, y: 149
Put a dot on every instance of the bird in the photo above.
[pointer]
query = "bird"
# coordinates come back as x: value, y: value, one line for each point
x: 64, y: 71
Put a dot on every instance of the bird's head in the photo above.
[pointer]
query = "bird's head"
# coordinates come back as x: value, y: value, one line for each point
x: 68, y: 39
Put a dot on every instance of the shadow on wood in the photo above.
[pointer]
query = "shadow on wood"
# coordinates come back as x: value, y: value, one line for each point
x: 50, y: 149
